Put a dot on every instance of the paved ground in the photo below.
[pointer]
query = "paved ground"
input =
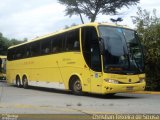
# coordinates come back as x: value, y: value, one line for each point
x: 47, y: 101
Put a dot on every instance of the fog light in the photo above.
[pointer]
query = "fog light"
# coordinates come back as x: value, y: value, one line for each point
x: 141, y: 80
x: 112, y: 81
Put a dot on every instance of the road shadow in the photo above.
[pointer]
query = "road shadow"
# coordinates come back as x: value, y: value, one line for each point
x: 99, y: 96
x: 52, y: 90
x: 116, y: 96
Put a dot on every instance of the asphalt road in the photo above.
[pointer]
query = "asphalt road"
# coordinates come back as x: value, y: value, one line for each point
x: 15, y: 100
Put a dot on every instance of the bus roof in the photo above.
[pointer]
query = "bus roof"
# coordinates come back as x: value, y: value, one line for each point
x: 69, y: 29
x: 2, y: 56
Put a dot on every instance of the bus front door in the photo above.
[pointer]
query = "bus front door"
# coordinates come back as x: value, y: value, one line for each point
x: 96, y: 72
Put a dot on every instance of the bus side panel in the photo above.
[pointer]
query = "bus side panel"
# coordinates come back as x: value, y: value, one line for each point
x: 72, y: 63
x: 40, y: 71
x: 10, y: 73
x: 48, y: 75
x: 51, y: 71
x: 45, y: 69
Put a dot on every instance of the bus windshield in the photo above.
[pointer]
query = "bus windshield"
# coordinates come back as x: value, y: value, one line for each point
x: 122, y: 50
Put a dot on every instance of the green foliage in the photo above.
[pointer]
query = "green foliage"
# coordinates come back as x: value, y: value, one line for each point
x: 5, y: 43
x: 148, y: 27
x: 91, y: 8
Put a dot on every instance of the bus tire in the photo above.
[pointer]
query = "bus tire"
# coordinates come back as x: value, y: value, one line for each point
x: 18, y: 81
x: 76, y: 86
x: 25, y: 82
x: 110, y: 94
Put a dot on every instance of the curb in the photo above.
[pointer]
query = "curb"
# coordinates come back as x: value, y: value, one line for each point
x: 146, y: 92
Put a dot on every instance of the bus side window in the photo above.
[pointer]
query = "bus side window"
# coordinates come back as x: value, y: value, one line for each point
x: 20, y: 52
x: 57, y: 44
x: 45, y: 46
x: 10, y: 54
x: 72, y: 41
x: 91, y: 50
x: 35, y: 49
x: 86, y: 46
x: 27, y: 51
x: 76, y: 45
x: 55, y: 49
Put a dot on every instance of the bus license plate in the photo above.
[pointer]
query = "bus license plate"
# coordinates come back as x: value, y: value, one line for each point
x: 129, y: 88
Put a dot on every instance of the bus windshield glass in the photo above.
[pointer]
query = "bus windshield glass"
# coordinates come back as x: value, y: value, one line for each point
x: 122, y: 50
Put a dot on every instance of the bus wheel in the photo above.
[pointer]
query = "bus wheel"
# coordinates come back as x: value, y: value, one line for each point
x: 110, y: 94
x: 25, y: 82
x: 76, y: 86
x: 18, y: 81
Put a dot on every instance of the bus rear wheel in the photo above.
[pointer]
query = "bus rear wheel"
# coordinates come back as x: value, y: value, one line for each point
x: 18, y: 82
x: 25, y: 82
x: 76, y: 86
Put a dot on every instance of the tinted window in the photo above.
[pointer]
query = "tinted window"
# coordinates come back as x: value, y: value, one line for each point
x: 72, y: 41
x: 57, y: 43
x: 46, y: 46
x: 20, y: 52
x: 27, y: 52
x: 11, y: 54
x: 16, y: 53
x: 91, y: 50
x: 35, y: 48
x: 122, y: 51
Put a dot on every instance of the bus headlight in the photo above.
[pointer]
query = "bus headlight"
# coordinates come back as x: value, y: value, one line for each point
x: 141, y: 80
x: 112, y: 81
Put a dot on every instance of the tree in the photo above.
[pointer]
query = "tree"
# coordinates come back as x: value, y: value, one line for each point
x: 91, y: 8
x: 148, y: 27
x: 5, y: 43
x: 144, y: 19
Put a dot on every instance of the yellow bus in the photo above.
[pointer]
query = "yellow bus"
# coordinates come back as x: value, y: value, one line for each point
x: 3, y: 67
x: 97, y: 58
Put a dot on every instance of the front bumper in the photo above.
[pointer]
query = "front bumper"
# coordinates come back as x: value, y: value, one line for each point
x: 119, y: 88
